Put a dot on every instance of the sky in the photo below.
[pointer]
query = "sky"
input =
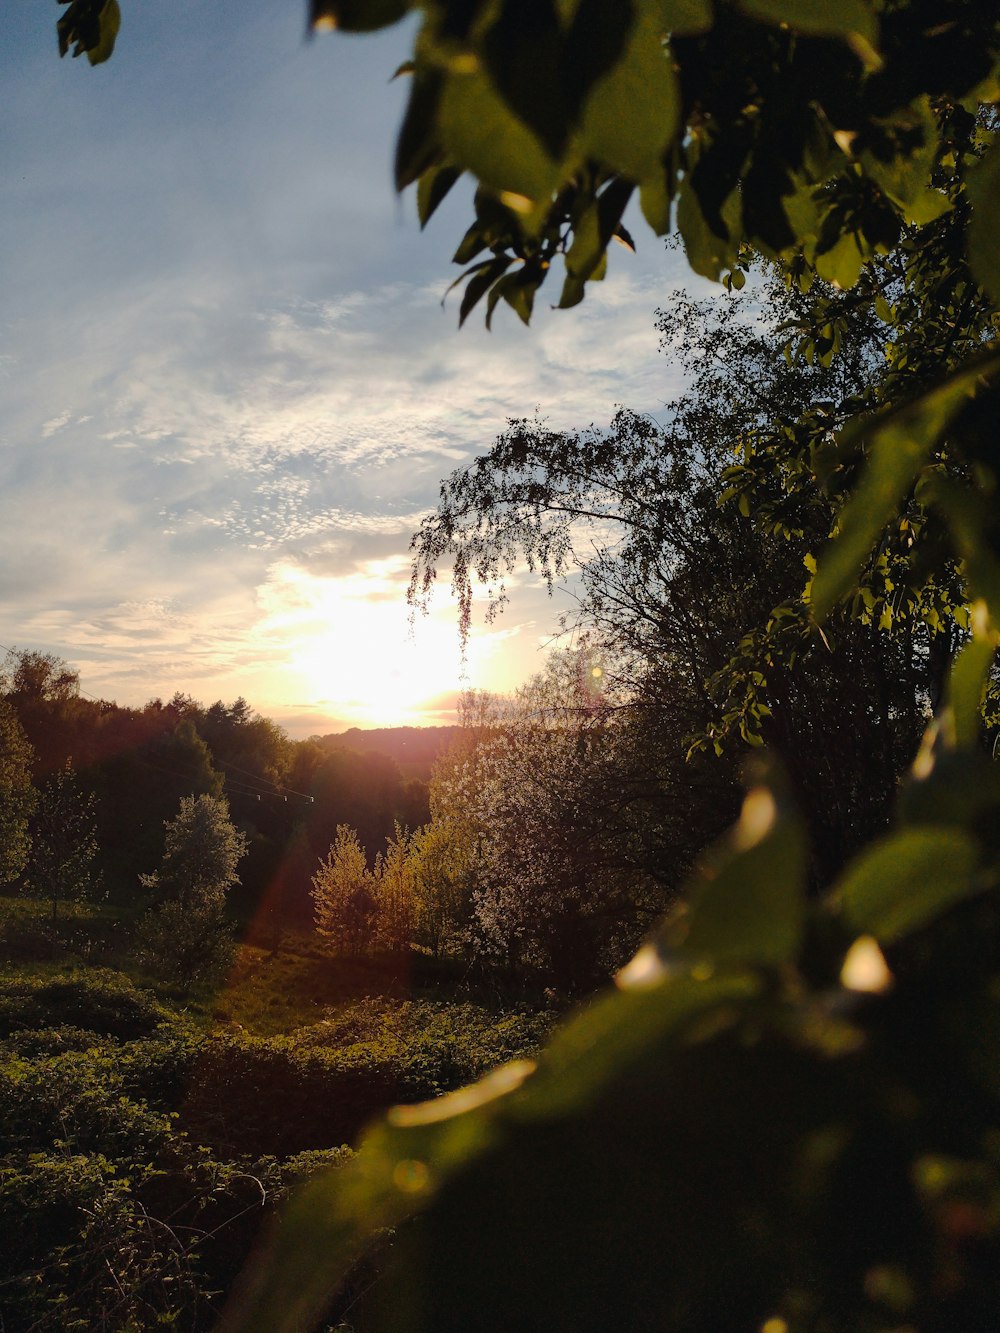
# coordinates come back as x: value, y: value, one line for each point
x: 228, y: 388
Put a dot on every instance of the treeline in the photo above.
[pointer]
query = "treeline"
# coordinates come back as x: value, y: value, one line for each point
x: 129, y: 768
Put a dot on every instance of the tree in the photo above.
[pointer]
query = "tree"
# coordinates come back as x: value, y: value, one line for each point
x: 33, y: 676
x: 443, y: 865
x: 17, y: 796
x: 755, y: 1102
x: 394, y: 893
x: 558, y: 813
x: 185, y: 935
x: 64, y: 841
x: 805, y: 132
x: 344, y: 895
x: 694, y: 595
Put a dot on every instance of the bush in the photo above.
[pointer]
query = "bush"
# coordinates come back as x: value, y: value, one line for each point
x: 102, y: 1002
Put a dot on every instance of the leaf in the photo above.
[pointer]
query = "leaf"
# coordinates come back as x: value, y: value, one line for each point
x: 983, y: 191
x: 820, y: 18
x: 479, y: 284
x: 707, y: 253
x: 620, y: 1032
x: 481, y: 134
x: 655, y: 198
x: 748, y: 903
x: 841, y: 264
x: 898, y: 153
x: 683, y: 18
x: 899, y: 445
x: 432, y: 188
x: 966, y: 688
x: 970, y: 518
x: 91, y: 26
x: 329, y: 1222
x: 592, y: 234
x: 355, y: 15
x: 519, y: 293
x: 472, y: 243
x: 631, y: 115
x: 110, y: 23
x: 907, y: 880
x: 417, y: 146
x: 573, y: 291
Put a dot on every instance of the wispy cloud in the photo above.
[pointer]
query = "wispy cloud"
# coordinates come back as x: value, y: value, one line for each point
x: 223, y: 355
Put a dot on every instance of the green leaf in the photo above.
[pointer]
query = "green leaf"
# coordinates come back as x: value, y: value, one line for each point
x: 519, y: 293
x: 898, y: 153
x: 970, y: 517
x: 683, y: 18
x: 619, y: 1032
x: 707, y: 253
x: 329, y: 1222
x: 111, y: 22
x: 821, y: 18
x: 984, y: 227
x: 899, y: 444
x: 841, y: 265
x: 472, y: 243
x: 960, y: 788
x: 480, y: 283
x: 655, y: 198
x: 573, y: 291
x: 907, y: 880
x: 432, y: 187
x: 91, y: 26
x: 417, y: 146
x: 480, y: 133
x: 593, y: 232
x: 355, y: 15
x: 748, y: 903
x: 967, y: 686
x: 631, y: 114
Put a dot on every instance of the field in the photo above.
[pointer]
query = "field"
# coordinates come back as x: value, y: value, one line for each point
x: 147, y: 1134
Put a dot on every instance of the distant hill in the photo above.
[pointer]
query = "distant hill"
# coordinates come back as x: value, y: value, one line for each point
x: 413, y: 748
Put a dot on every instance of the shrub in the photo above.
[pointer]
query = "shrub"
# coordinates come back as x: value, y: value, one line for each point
x: 103, y: 1002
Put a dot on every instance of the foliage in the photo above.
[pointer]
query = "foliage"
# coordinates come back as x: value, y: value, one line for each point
x: 201, y: 852
x: 344, y: 895
x: 394, y: 892
x: 690, y: 590
x: 553, y: 811
x: 442, y: 863
x: 787, y: 1117
x: 139, y: 1154
x: 186, y: 935
x: 97, y: 1001
x: 29, y: 675
x: 111, y: 1218
x: 793, y: 1140
x: 64, y: 841
x: 806, y: 132
x: 246, y: 1095
x: 17, y: 796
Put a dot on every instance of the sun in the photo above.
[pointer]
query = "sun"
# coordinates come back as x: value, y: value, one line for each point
x: 373, y: 670
x: 350, y: 647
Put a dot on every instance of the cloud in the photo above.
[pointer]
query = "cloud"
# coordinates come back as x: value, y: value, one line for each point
x: 223, y: 354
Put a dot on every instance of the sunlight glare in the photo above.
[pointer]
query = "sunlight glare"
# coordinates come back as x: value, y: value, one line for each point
x: 350, y: 646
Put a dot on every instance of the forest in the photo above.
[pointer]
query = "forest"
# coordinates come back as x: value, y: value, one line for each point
x: 663, y: 994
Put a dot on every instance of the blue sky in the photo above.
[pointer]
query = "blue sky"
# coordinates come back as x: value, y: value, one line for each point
x: 228, y: 390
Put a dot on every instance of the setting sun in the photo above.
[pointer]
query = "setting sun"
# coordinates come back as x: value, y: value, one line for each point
x: 353, y: 651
